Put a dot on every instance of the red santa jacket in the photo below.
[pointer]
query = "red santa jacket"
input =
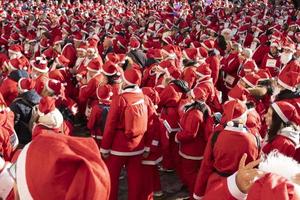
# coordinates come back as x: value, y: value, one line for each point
x: 285, y: 142
x: 260, y: 53
x: 192, y: 135
x: 293, y: 65
x: 9, y: 90
x: 95, y: 120
x: 189, y: 76
x: 272, y: 64
x: 114, y: 139
x: 169, y: 102
x: 8, y: 137
x: 214, y: 64
x: 222, y: 158
x: 70, y: 53
x: 230, y: 66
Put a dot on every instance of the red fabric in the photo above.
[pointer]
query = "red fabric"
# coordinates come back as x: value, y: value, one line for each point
x: 260, y: 53
x: 9, y: 90
x: 6, y: 130
x: 223, y: 148
x: 152, y: 178
x: 283, y: 144
x: 214, y: 64
x: 189, y: 171
x: 274, y: 70
x: 70, y: 53
x: 40, y: 83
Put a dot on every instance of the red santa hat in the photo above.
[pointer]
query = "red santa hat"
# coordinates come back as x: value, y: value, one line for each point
x: 199, y: 94
x: 286, y: 111
x: 155, y: 53
x: 208, y: 44
x: 275, y: 43
x: 49, y: 116
x: 191, y: 54
x: 239, y: 93
x: 94, y: 66
x: 55, y: 87
x: 82, y: 47
x: 25, y: 84
x: 251, y: 79
x: 203, y: 70
x: 132, y: 77
x: 63, y: 61
x: 40, y: 65
x: 174, y: 72
x: 289, y: 46
x: 202, y: 52
x: 110, y: 69
x: 15, y: 48
x: 63, y: 155
x: 134, y: 43
x: 57, y: 39
x: 234, y: 111
x: 7, y: 182
x: 289, y: 80
x: 104, y: 92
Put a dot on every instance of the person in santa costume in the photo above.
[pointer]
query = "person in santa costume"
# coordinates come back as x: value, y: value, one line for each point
x: 22, y: 107
x: 48, y: 118
x: 271, y: 61
x: 39, y: 73
x: 289, y: 63
x: 113, y: 72
x: 72, y: 159
x: 87, y: 93
x: 99, y: 112
x: 247, y: 65
x: 221, y: 158
x: 270, y: 181
x: 193, y: 136
x: 123, y: 139
x: 79, y: 67
x: 283, y: 121
x: 15, y: 52
x: 9, y: 86
x: 8, y: 137
x: 156, y: 140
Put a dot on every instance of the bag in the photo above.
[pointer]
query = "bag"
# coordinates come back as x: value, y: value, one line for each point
x: 135, y: 118
x: 104, y: 113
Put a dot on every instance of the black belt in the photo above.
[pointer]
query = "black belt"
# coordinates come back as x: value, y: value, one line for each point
x: 223, y: 174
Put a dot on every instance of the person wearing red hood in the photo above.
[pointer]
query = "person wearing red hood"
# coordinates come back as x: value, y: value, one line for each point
x: 8, y: 137
x: 74, y: 170
x: 48, y: 119
x: 283, y: 121
x: 97, y: 119
x: 271, y: 61
x: 221, y: 158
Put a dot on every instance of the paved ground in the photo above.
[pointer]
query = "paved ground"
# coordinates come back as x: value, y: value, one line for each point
x: 171, y: 186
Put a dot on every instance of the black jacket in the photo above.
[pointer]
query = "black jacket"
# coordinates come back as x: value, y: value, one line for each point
x: 22, y: 107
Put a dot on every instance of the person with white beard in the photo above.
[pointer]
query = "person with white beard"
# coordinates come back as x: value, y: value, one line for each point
x: 289, y: 63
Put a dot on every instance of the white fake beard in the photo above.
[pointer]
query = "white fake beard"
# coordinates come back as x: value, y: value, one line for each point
x: 285, y: 58
x: 255, y: 34
x: 280, y: 164
x: 253, y: 46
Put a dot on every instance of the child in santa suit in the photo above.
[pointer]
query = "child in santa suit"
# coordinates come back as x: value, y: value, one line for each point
x: 156, y: 140
x: 192, y: 138
x: 97, y: 119
x: 221, y: 157
x: 49, y: 119
x: 283, y: 121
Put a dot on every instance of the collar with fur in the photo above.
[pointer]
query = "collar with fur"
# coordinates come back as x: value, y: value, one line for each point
x: 290, y: 133
x: 135, y: 89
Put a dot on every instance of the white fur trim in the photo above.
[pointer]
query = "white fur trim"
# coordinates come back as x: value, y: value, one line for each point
x: 236, y: 129
x: 280, y: 82
x: 248, y: 82
x: 2, y: 163
x: 7, y: 182
x: 93, y: 70
x: 104, y: 150
x: 280, y: 164
x: 197, y: 197
x: 290, y: 133
x: 21, y: 175
x: 109, y: 74
x: 53, y: 119
x: 48, y: 88
x: 19, y: 86
x: 279, y: 112
x: 81, y: 49
x: 152, y: 162
x: 233, y: 189
x: 132, y: 90
x: 131, y: 153
x: 190, y: 157
x: 154, y: 142
x: 242, y: 117
x: 98, y: 137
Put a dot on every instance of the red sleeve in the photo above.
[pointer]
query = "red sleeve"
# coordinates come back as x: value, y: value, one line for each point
x: 95, y: 114
x: 204, y: 172
x: 168, y: 97
x: 282, y: 144
x: 232, y: 66
x: 112, y: 121
x: 87, y: 90
x: 215, y: 67
x: 5, y: 146
x: 190, y: 128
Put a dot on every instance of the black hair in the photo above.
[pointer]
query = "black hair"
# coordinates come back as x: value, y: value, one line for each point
x: 183, y: 85
x: 275, y: 126
x: 112, y: 79
x: 268, y: 84
x: 199, y: 105
x: 222, y: 42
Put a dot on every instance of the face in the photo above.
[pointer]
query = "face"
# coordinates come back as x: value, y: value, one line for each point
x: 273, y: 50
x: 90, y: 53
x: 81, y: 54
x: 268, y: 117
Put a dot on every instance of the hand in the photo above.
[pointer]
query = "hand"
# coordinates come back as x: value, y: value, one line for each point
x: 105, y: 155
x: 247, y: 175
x: 146, y: 154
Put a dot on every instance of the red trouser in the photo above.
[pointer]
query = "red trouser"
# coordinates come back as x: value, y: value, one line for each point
x: 189, y: 171
x: 171, y: 158
x: 134, y: 170
x: 152, y: 180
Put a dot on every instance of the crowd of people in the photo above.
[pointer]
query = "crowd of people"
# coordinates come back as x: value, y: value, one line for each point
x: 205, y: 89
